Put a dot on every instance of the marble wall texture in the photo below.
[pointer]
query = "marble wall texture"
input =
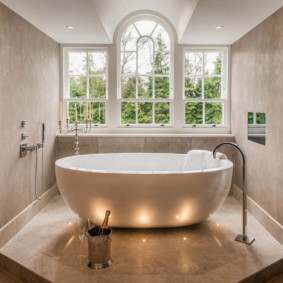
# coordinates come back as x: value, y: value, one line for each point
x: 29, y: 90
x: 256, y: 86
x: 65, y: 144
x: 88, y: 145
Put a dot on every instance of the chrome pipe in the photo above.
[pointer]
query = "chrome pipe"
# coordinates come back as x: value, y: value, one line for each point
x: 244, y: 237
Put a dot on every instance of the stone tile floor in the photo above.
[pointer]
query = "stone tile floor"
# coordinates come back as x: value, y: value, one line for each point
x: 51, y: 245
x: 7, y: 278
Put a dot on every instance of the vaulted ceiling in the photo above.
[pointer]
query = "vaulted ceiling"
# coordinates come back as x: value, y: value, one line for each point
x: 195, y: 21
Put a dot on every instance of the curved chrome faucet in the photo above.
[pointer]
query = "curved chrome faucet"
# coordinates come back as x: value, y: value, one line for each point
x: 241, y: 238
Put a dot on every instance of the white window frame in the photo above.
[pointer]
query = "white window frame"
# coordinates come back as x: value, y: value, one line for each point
x: 66, y: 82
x: 162, y: 23
x: 225, y: 97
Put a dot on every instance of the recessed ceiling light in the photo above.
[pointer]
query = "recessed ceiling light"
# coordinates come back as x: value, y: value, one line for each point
x: 219, y: 27
x: 70, y: 27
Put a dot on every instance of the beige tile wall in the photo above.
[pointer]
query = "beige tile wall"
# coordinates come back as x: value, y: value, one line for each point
x: 29, y: 90
x: 65, y: 145
x: 257, y: 85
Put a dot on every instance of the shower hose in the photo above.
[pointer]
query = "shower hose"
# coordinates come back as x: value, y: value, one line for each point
x: 38, y: 197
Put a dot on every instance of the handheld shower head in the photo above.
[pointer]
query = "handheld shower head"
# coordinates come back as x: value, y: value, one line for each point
x: 43, y: 132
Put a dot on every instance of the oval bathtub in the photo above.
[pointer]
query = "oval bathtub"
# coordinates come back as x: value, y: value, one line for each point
x: 142, y: 190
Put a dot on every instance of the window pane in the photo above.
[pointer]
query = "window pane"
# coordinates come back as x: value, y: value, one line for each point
x: 128, y: 63
x: 193, y: 87
x: 145, y: 87
x: 161, y: 39
x: 162, y: 113
x: 129, y: 39
x: 212, y: 87
x: 212, y: 63
x: 97, y: 63
x: 145, y: 27
x: 162, y: 63
x: 260, y: 118
x: 128, y: 87
x: 80, y: 112
x: 97, y: 87
x: 98, y: 112
x: 128, y: 112
x: 250, y: 117
x: 193, y: 63
x: 77, y: 86
x: 145, y: 112
x: 213, y: 112
x: 193, y: 112
x: 78, y: 63
x: 145, y: 56
x: 162, y: 87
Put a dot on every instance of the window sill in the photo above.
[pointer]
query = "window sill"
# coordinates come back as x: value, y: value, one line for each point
x: 160, y: 135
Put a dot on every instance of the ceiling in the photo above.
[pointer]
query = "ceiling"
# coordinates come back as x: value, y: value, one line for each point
x: 195, y: 21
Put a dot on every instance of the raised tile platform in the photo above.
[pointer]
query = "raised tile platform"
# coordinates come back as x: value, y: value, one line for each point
x: 50, y: 245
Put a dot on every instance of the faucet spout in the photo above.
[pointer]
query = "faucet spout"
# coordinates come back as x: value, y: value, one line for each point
x: 30, y: 148
x: 241, y: 238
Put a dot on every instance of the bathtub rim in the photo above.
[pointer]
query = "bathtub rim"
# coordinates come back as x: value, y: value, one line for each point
x: 61, y: 163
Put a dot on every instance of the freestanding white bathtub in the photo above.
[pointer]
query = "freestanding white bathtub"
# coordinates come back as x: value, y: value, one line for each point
x: 142, y: 190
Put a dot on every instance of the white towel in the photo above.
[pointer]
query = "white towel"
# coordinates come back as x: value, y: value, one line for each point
x: 202, y: 159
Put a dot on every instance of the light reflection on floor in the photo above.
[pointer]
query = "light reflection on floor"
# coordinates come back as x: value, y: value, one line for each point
x: 53, y: 244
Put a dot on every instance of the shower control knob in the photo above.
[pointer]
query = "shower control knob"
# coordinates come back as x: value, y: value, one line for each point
x: 24, y: 136
x: 23, y: 123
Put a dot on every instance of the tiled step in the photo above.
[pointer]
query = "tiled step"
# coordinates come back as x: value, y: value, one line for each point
x: 8, y: 278
x: 16, y: 270
x: 270, y: 274
x: 276, y: 279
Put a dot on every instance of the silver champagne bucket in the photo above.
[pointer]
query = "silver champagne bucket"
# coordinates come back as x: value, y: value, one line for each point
x: 99, y: 248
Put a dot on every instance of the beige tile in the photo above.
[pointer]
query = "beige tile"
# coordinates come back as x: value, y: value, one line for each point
x: 167, y: 145
x: 121, y: 144
x: 65, y: 146
x: 7, y: 278
x: 276, y: 279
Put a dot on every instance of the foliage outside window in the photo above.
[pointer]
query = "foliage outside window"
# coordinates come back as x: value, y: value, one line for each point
x: 256, y: 118
x: 145, y: 97
x: 87, y: 85
x: 204, y: 96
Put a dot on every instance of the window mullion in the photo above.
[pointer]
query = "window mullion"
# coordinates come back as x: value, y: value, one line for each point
x: 137, y: 70
x: 87, y: 81
x: 136, y: 113
x: 203, y: 103
x: 153, y: 75
x: 153, y: 112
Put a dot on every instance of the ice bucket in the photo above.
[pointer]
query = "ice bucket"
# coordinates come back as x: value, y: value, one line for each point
x: 99, y: 248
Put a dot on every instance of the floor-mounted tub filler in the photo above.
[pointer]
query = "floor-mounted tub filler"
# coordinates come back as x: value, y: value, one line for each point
x: 143, y: 190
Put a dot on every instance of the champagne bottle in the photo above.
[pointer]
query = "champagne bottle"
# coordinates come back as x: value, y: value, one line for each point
x: 104, y: 226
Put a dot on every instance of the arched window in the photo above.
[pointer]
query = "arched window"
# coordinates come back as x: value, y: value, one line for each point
x: 145, y: 77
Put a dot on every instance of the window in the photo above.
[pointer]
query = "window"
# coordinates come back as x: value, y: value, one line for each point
x: 145, y: 96
x: 86, y: 85
x: 145, y: 93
x: 205, y: 91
